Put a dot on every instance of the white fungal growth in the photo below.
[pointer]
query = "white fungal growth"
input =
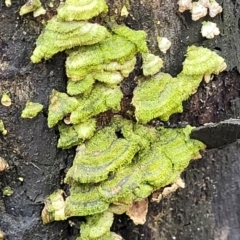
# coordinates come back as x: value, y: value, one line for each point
x: 164, y: 44
x: 205, y: 3
x: 184, y: 5
x: 214, y: 8
x: 198, y: 11
x: 209, y: 30
x: 200, y: 8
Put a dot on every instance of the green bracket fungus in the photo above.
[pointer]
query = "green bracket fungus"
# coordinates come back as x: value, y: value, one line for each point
x: 202, y: 61
x: 73, y: 135
x: 80, y: 87
x: 155, y: 166
x: 31, y: 110
x: 84, y: 200
x: 59, y: 36
x: 3, y: 130
x: 124, y: 161
x: 94, y: 58
x: 102, y: 98
x: 137, y: 37
x: 60, y: 105
x: 93, y: 164
x: 81, y: 10
x: 162, y: 95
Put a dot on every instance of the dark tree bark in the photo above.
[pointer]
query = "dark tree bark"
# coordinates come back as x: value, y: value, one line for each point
x: 208, y: 208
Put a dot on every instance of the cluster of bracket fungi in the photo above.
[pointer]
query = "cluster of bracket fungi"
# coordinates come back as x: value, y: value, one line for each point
x: 125, y: 161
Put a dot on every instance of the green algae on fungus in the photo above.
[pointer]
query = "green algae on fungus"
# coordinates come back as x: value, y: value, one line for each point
x: 73, y: 135
x: 162, y: 95
x: 102, y: 98
x: 59, y: 36
x: 3, y: 130
x: 54, y: 207
x: 31, y: 110
x: 81, y: 10
x: 94, y: 58
x: 60, y: 105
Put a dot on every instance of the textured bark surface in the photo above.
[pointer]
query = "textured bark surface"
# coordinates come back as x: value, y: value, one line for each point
x: 208, y: 208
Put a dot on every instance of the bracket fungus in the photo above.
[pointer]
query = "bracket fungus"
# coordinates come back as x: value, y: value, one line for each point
x: 153, y: 97
x: 59, y: 36
x: 124, y: 161
x: 81, y: 10
x: 31, y: 110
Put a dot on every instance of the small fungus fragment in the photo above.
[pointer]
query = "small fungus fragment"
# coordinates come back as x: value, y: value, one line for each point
x: 54, y: 207
x: 124, y: 11
x: 7, y: 191
x: 163, y: 44
x: 81, y: 10
x: 151, y: 64
x: 2, y: 235
x: 3, y: 165
x: 8, y: 3
x: 6, y: 100
x: 209, y: 30
x: 34, y: 6
x: 60, y: 105
x: 31, y: 110
x: 3, y: 130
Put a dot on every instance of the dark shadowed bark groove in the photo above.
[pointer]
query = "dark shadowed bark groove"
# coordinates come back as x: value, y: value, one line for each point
x: 208, y: 208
